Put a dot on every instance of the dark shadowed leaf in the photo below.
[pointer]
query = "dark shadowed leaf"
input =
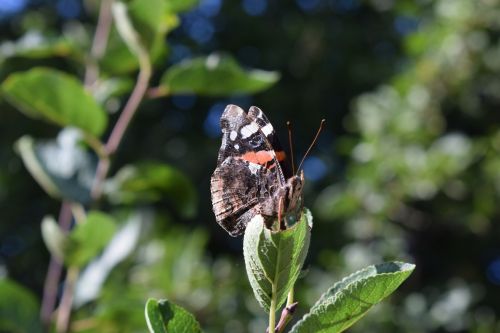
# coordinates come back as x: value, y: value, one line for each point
x: 61, y: 167
x: 165, y: 317
x: 150, y: 182
x: 215, y: 75
x: 273, y: 260
x: 18, y: 309
x: 350, y: 299
x: 55, y: 97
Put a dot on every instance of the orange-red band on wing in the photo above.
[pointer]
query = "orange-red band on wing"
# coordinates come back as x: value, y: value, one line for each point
x: 260, y: 157
x: 280, y: 155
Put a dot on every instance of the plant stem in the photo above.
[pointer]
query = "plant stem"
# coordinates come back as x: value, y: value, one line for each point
x: 91, y: 73
x: 133, y: 102
x: 99, y: 43
x: 54, y: 271
x: 287, y: 313
x: 272, y: 310
x: 64, y: 310
x: 289, y: 300
x: 123, y: 122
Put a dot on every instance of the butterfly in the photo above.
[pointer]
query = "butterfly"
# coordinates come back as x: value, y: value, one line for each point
x: 252, y: 176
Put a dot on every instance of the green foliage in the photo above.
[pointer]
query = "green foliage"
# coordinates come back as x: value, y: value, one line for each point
x: 150, y: 182
x: 56, y: 97
x: 126, y: 30
x: 61, y: 167
x: 83, y: 243
x: 274, y: 259
x: 88, y: 238
x: 417, y: 126
x: 54, y: 238
x: 215, y: 75
x: 349, y: 300
x: 177, y: 6
x: 18, y: 309
x: 35, y: 45
x: 165, y: 317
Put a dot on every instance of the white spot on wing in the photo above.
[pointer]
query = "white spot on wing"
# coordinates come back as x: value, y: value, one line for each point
x: 249, y: 130
x: 237, y: 146
x: 233, y: 135
x: 254, y: 168
x: 268, y: 129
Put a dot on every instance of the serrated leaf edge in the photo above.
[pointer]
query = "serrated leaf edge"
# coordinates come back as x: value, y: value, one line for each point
x: 325, y: 302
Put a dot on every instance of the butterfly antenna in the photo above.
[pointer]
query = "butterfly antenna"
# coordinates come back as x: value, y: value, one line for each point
x: 289, y: 125
x: 321, y: 125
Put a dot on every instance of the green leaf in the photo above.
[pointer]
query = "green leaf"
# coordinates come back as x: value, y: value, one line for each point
x: 34, y: 44
x: 118, y: 59
x: 61, y: 167
x: 166, y: 317
x: 273, y: 260
x: 18, y: 309
x: 215, y: 75
x: 126, y: 29
x: 149, y: 24
x: 54, y: 238
x: 56, y: 97
x: 88, y: 238
x: 178, y: 6
x: 350, y: 299
x: 150, y: 19
x: 150, y: 182
x: 83, y: 243
x: 112, y: 87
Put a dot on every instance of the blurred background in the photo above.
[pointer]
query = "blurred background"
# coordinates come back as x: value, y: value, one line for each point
x: 407, y: 167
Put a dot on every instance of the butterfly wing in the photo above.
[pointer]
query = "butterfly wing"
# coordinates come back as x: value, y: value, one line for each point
x: 238, y: 189
x: 267, y: 129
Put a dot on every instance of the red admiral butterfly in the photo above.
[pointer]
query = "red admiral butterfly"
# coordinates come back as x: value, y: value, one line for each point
x: 252, y: 175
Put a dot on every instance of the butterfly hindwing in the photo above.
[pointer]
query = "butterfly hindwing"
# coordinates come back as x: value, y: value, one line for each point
x: 236, y: 200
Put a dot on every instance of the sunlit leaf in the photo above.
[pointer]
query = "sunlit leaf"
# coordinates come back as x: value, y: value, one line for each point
x: 165, y: 317
x: 273, y: 260
x: 18, y: 309
x: 177, y: 6
x: 150, y: 182
x: 92, y: 279
x: 118, y: 59
x: 54, y: 238
x: 112, y: 87
x: 215, y: 75
x: 350, y: 299
x: 61, y: 167
x: 88, y: 238
x: 126, y: 29
x: 55, y: 97
x: 33, y: 44
x: 148, y: 18
x: 150, y: 24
